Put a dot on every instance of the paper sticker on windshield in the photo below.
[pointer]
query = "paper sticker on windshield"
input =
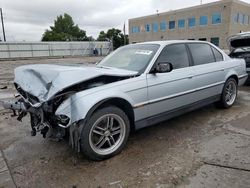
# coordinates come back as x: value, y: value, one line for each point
x: 143, y: 52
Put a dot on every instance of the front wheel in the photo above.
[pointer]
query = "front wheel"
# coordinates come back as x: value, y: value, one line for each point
x: 229, y: 94
x: 105, y: 134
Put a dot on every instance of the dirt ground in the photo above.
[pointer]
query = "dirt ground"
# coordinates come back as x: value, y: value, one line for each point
x: 207, y: 148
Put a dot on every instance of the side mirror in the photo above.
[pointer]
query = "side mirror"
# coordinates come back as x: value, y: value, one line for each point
x: 163, y: 68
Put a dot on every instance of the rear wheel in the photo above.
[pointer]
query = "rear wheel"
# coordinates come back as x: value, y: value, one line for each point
x: 105, y: 134
x: 229, y: 94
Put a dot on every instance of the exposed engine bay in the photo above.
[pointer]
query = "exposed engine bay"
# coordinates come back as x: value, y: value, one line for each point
x: 42, y: 117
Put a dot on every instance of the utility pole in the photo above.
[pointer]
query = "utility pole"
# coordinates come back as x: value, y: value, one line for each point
x: 124, y: 33
x: 201, y: 2
x: 4, y: 38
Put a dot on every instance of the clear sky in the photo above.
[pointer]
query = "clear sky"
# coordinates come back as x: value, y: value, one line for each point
x: 28, y: 19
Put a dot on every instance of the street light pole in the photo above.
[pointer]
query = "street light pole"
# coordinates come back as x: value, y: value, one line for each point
x: 4, y: 38
x: 124, y: 33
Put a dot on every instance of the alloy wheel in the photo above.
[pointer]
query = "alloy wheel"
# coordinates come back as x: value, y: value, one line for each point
x: 107, y: 134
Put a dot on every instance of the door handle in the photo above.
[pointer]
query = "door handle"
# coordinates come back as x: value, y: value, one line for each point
x: 190, y: 76
x: 223, y: 69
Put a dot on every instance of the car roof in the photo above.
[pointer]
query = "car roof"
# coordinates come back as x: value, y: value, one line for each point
x: 167, y: 42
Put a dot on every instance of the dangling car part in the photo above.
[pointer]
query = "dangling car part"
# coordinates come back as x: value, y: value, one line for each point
x: 136, y: 86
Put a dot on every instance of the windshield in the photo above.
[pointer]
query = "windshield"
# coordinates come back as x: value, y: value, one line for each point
x: 134, y: 57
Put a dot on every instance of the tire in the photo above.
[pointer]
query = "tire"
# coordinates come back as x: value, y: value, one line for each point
x: 105, y: 134
x: 229, y: 94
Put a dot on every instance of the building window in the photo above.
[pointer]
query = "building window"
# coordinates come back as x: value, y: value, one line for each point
x: 236, y: 17
x: 216, y: 18
x: 215, y: 41
x: 147, y: 27
x: 163, y: 26
x: 135, y: 29
x: 203, y: 39
x: 155, y: 27
x: 191, y: 22
x: 241, y: 18
x: 203, y: 20
x: 138, y: 29
x: 171, y: 24
x: 181, y: 23
x: 246, y: 19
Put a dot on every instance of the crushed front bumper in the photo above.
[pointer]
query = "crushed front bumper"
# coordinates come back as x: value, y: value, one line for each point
x: 20, y: 109
x: 41, y: 121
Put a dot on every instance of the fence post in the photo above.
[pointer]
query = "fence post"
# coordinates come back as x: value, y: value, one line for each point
x: 31, y: 46
x: 50, y: 50
x: 71, y: 49
x: 8, y: 47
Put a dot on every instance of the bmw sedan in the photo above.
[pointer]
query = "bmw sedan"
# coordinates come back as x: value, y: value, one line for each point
x: 136, y: 86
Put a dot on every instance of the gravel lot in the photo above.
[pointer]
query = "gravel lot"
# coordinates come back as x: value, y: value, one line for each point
x: 205, y: 148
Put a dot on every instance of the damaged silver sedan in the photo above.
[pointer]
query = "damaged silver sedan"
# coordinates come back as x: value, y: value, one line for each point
x: 136, y: 86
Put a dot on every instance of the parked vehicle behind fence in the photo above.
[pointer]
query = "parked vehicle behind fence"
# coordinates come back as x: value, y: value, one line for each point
x: 136, y: 86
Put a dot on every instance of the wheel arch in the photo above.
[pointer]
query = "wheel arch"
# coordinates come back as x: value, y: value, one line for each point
x: 121, y: 103
x: 234, y: 76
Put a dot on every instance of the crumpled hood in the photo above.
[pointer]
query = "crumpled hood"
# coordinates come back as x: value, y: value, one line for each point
x: 239, y: 40
x: 44, y: 81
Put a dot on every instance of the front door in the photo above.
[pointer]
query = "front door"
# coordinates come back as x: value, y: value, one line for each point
x: 169, y: 91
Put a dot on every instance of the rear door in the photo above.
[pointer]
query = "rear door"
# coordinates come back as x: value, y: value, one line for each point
x: 209, y: 70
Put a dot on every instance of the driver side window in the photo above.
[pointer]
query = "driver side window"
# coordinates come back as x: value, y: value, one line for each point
x: 176, y: 55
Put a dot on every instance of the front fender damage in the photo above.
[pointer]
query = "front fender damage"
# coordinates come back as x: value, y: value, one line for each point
x: 49, y: 117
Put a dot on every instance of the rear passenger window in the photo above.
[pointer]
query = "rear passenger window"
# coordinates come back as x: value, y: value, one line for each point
x: 201, y: 53
x: 217, y: 54
x: 175, y: 54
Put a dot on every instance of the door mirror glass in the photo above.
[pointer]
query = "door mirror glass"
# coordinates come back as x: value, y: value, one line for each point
x: 163, y: 68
